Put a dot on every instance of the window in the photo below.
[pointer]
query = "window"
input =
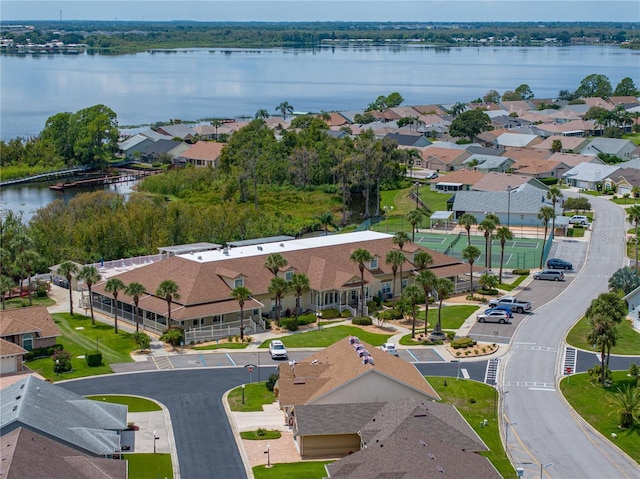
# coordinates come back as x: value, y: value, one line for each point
x: 27, y: 341
x: 238, y: 282
x: 386, y: 288
x: 288, y: 276
x: 405, y: 283
x: 373, y: 264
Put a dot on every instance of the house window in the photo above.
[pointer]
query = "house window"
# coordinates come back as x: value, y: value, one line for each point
x: 373, y: 264
x: 405, y: 283
x: 386, y: 288
x: 238, y: 282
x: 27, y: 342
x: 288, y: 276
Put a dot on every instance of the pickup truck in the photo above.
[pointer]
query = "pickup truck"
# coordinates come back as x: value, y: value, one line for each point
x: 513, y: 302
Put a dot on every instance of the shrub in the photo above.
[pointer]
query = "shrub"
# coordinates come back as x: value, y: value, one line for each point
x: 42, y: 352
x: 346, y: 314
x: 373, y: 306
x: 61, y: 361
x: 261, y: 431
x: 141, y: 340
x: 329, y: 313
x: 362, y: 321
x: 521, y: 272
x: 290, y: 324
x: 462, y: 342
x: 472, y: 400
x: 93, y: 359
x: 271, y: 382
x: 306, y: 318
x: 488, y: 292
x: 174, y: 336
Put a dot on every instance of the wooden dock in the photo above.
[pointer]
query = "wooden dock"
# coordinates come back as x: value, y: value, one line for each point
x: 104, y: 180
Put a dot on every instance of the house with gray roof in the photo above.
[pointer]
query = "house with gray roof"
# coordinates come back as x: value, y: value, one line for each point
x: 178, y: 130
x: 487, y: 163
x: 408, y: 140
x: 92, y: 427
x: 610, y: 146
x: 517, y: 140
x: 588, y: 175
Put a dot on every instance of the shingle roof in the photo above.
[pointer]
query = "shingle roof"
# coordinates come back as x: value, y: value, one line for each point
x: 572, y: 159
x: 496, y: 181
x: 28, y: 320
x: 204, y: 150
x: 466, y: 177
x: 526, y: 201
x: 321, y: 419
x: 8, y: 349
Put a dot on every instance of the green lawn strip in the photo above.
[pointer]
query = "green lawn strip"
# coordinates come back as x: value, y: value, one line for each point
x: 149, y: 466
x: 511, y: 286
x: 624, y: 201
x: 221, y: 346
x: 477, y: 402
x: 628, y: 339
x: 135, y: 404
x: 16, y: 303
x: 292, y: 470
x: 591, y: 401
x: 260, y: 435
x: 575, y: 232
x: 453, y: 317
x: 327, y: 336
x: 255, y: 396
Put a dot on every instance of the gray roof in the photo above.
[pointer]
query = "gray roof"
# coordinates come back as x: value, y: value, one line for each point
x: 611, y: 146
x: 488, y: 162
x: 590, y: 172
x: 334, y: 418
x: 179, y: 130
x: 39, y: 405
x: 525, y: 199
x: 159, y: 147
x: 189, y: 248
x: 475, y: 149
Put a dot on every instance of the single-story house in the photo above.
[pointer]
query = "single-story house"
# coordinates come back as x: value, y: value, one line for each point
x: 589, y: 175
x: 178, y: 130
x: 522, y: 153
x: 610, y: 146
x: 459, y: 180
x: 415, y: 140
x: 159, y: 149
x: 438, y: 158
x: 11, y: 356
x: 495, y: 181
x: 623, y: 181
x: 571, y: 128
x: 203, y: 153
x: 569, y: 144
x: 572, y: 159
x: 633, y: 305
x: 517, y: 140
x: 487, y: 163
x: 538, y: 168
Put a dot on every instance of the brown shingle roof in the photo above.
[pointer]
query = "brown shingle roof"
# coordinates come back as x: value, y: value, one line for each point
x: 8, y: 349
x: 445, y: 155
x: 28, y: 320
x: 520, y: 153
x: 572, y: 159
x: 494, y: 181
x: 466, y: 177
x: 204, y: 150
x: 534, y: 166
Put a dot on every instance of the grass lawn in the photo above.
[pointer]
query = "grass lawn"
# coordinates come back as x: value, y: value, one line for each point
x: 477, y: 402
x: 514, y: 285
x: 149, y: 466
x: 452, y: 316
x: 255, y: 395
x: 625, y: 201
x: 591, y: 401
x: 136, y: 404
x: 221, y: 346
x: 255, y: 436
x: 327, y: 336
x: 628, y: 339
x: 16, y: 303
x: 575, y: 232
x: 293, y: 470
x: 115, y: 348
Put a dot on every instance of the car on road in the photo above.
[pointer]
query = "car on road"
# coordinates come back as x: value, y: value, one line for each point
x: 557, y: 263
x: 494, y: 316
x: 432, y: 176
x: 389, y: 348
x: 500, y: 307
x: 549, y: 274
x: 277, y: 350
x: 578, y: 220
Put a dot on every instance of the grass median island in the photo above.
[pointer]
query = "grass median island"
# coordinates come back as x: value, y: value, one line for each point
x: 627, y: 340
x: 327, y: 336
x: 293, y: 470
x: 226, y: 345
x: 260, y: 435
x: 255, y: 396
x: 149, y: 466
x: 135, y: 404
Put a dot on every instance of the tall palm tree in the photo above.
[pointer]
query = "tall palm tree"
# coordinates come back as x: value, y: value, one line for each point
x: 216, y: 124
x: 241, y: 294
x: 169, y: 290
x: 361, y: 256
x: 27, y: 261
x: 422, y: 259
x: 284, y: 108
x: 414, y: 217
x: 6, y: 285
x: 400, y: 238
x: 113, y: 286
x: 275, y: 262
x: 467, y: 220
x: 395, y: 258
x: 135, y: 290
x: 546, y: 213
x: 278, y: 288
x: 554, y: 194
x: 427, y: 280
x: 299, y: 284
x: 487, y: 225
x: 413, y: 295
x: 68, y: 269
x: 457, y: 108
x: 503, y: 234
x: 634, y: 217
x: 90, y: 276
x: 471, y: 254
x: 261, y: 114
x: 603, y: 335
x: 444, y: 288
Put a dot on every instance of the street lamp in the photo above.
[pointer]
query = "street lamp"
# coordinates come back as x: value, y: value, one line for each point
x: 389, y: 208
x: 458, y: 373
x: 268, y: 453
x: 155, y: 438
x: 509, y: 424
x: 509, y: 189
x: 542, y: 468
x: 417, y: 185
x: 243, y: 394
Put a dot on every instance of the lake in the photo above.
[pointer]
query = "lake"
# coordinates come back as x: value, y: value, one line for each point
x: 192, y: 84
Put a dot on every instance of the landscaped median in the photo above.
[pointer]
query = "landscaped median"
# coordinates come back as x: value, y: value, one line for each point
x: 321, y: 338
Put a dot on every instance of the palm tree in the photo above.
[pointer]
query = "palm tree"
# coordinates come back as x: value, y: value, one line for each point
x: 488, y: 281
x: 113, y: 286
x: 554, y: 194
x: 274, y: 262
x: 216, y: 123
x: 168, y: 290
x: 326, y: 220
x: 626, y: 279
x: 300, y: 284
x: 471, y: 254
x: 426, y: 279
x: 284, y: 108
x: 608, y: 305
x: 135, y: 290
x: 278, y: 288
x: 503, y: 234
x: 361, y: 256
x: 487, y: 225
x: 395, y: 258
x: 634, y: 217
x: 457, y: 108
x: 444, y: 288
x: 422, y: 259
x: 261, y: 114
x: 400, y: 238
x: 68, y: 269
x: 90, y: 276
x: 467, y: 220
x: 626, y: 402
x: 414, y: 217
x: 603, y: 335
x: 27, y: 260
x: 413, y: 295
x: 6, y: 285
x: 241, y: 294
x: 546, y: 213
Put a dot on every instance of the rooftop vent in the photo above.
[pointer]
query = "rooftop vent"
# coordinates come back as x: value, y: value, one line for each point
x: 282, y: 245
x: 353, y: 340
x: 200, y: 258
x: 367, y: 360
x: 315, y: 361
x: 440, y: 469
x: 259, y: 248
x: 225, y: 251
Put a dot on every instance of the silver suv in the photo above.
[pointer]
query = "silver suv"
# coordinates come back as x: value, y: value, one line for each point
x: 277, y: 350
x: 549, y: 274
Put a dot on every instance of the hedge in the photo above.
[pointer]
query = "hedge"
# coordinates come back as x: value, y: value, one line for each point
x: 462, y: 343
x: 329, y: 313
x: 362, y: 321
x: 42, y: 352
x: 521, y: 272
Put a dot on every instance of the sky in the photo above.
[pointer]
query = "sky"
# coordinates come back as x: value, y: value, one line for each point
x: 324, y: 10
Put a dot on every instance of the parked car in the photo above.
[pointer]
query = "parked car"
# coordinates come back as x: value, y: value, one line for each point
x: 494, y: 316
x: 514, y: 303
x: 578, y: 220
x: 549, y: 274
x: 502, y: 307
x: 277, y: 350
x: 389, y: 348
x: 432, y: 176
x: 557, y: 263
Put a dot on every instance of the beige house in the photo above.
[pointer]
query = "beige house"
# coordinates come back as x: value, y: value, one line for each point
x: 443, y: 159
x: 203, y: 153
x: 538, y: 168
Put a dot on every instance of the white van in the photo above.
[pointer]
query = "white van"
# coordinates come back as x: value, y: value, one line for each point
x: 578, y: 220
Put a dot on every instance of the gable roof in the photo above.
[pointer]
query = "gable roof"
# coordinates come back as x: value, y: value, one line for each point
x: 487, y: 162
x: 496, y: 181
x: 178, y: 130
x: 524, y: 200
x: 35, y: 319
x: 522, y: 153
x: 466, y: 177
x: 569, y: 143
x: 535, y: 166
x: 8, y: 349
x: 573, y: 159
x: 631, y: 175
x: 204, y: 150
x: 445, y: 155
x: 590, y: 172
x: 517, y: 140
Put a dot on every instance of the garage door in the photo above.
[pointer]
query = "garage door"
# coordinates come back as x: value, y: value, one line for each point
x: 624, y: 190
x: 8, y: 365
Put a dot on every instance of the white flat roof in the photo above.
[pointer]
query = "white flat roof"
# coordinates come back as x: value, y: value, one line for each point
x: 283, y: 247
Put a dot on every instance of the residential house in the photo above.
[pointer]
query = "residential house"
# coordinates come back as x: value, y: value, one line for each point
x: 589, y: 175
x: 410, y: 140
x: 489, y: 138
x: 517, y: 140
x: 518, y: 106
x: 178, y: 130
x: 10, y: 357
x: 487, y: 163
x: 210, y: 132
x: 337, y: 120
x: 599, y: 102
x: 572, y: 160
x: 438, y: 110
x: 443, y: 159
x: 610, y: 146
x: 538, y: 168
x: 568, y: 144
x: 494, y: 181
x: 203, y: 153
x: 571, y: 128
x: 633, y: 307
x: 623, y: 181
x: 459, y: 180
x: 526, y: 153
x: 627, y: 101
x: 160, y: 149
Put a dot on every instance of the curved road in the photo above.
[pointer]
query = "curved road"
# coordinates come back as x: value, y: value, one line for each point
x: 539, y: 426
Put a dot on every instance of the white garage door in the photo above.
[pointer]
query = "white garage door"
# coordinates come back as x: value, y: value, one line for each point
x: 8, y: 365
x: 623, y: 190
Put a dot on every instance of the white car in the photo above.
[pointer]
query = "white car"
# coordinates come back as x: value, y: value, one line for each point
x: 578, y: 220
x: 277, y: 350
x: 389, y: 348
x: 495, y: 315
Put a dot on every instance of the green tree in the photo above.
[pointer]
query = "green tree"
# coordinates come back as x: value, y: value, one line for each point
x: 457, y: 108
x: 555, y: 195
x: 326, y: 219
x: 28, y: 261
x: 608, y: 305
x: 634, y: 218
x: 626, y: 403
x: 275, y: 262
x: 278, y: 287
x: 556, y: 146
x: 467, y: 220
x: 135, y: 290
x: 488, y: 226
x: 169, y: 291
x: 422, y: 259
x: 471, y: 254
x: 414, y: 217
x: 299, y: 284
x: 68, y: 269
x: 284, y: 108
x: 6, y: 285
x: 427, y: 280
x: 141, y: 340
x: 114, y: 286
x: 173, y: 336
x: 545, y: 215
x: 469, y: 124
x: 90, y: 276
x: 241, y: 294
x: 626, y: 87
x: 524, y: 92
x: 444, y: 288
x: 361, y: 256
x: 396, y: 259
x: 491, y: 96
x: 503, y: 234
x: 626, y: 279
x: 95, y: 133
x: 261, y: 114
x: 400, y: 238
x: 595, y: 85
x: 488, y: 281
x: 413, y: 295
x: 603, y: 335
